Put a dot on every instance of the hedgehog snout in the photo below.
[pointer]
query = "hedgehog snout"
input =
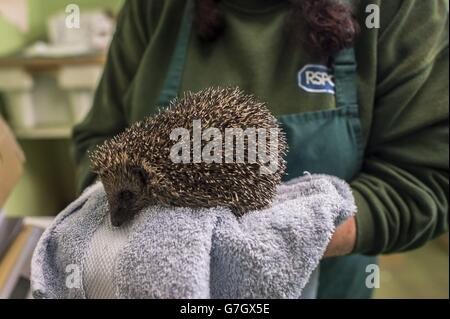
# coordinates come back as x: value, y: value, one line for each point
x: 122, y: 208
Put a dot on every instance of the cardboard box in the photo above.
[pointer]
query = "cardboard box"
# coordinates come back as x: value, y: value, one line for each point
x: 11, y: 162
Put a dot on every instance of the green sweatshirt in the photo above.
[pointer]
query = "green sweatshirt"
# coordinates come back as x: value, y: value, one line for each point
x: 402, y: 189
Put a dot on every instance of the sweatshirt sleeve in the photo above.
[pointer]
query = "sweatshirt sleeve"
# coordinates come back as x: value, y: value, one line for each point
x: 402, y: 191
x: 107, y: 116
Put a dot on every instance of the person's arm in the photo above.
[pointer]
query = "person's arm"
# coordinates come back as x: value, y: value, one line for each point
x: 343, y: 240
x: 107, y: 116
x: 402, y: 191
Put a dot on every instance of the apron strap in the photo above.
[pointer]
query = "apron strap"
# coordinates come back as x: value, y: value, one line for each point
x: 345, y: 78
x: 174, y: 74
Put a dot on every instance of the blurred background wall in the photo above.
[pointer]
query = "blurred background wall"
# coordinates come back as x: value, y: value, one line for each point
x: 12, y: 39
x: 48, y: 184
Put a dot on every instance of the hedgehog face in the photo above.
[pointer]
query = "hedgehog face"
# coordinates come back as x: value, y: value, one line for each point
x: 127, y: 193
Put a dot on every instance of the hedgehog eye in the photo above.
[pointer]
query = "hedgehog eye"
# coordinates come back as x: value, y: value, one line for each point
x: 125, y: 196
x: 141, y: 174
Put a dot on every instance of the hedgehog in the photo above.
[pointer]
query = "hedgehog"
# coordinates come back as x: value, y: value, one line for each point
x: 183, y: 157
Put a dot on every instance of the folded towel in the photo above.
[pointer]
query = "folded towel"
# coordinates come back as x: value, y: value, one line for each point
x: 191, y: 253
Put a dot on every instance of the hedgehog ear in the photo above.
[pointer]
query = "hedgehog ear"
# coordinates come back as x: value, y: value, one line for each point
x: 141, y: 174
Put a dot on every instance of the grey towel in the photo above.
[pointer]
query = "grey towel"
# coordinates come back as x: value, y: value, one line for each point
x: 191, y: 253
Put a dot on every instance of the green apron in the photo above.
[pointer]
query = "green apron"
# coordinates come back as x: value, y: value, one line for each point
x: 325, y: 142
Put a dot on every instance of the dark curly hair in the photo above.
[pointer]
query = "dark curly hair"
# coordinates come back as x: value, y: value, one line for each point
x: 327, y: 26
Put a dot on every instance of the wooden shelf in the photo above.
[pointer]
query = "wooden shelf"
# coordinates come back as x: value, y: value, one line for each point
x: 43, y: 133
x: 42, y: 221
x: 37, y: 64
